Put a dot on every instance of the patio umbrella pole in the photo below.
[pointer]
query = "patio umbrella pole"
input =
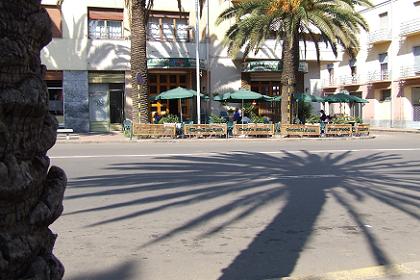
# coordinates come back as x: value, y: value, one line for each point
x: 243, y: 112
x: 180, y: 109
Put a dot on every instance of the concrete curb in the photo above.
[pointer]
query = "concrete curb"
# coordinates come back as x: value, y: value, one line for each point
x: 395, y: 130
x: 180, y: 140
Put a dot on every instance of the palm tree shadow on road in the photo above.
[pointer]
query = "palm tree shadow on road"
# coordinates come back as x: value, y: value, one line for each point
x: 253, y: 180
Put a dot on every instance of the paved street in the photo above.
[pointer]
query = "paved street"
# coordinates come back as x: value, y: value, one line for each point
x: 233, y: 209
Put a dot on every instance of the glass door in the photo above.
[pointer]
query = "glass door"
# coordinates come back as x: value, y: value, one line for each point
x: 99, y: 107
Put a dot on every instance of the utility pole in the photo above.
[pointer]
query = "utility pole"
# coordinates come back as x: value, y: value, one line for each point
x: 197, y: 57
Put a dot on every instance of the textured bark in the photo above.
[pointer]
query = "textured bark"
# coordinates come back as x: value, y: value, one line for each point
x: 289, y: 76
x: 31, y: 193
x: 139, y: 61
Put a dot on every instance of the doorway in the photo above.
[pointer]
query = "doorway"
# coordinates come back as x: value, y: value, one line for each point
x: 160, y: 82
x: 116, y: 103
x: 415, y: 100
x: 270, y: 88
x: 99, y: 107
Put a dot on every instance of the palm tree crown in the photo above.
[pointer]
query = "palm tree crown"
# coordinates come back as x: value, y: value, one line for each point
x: 335, y: 23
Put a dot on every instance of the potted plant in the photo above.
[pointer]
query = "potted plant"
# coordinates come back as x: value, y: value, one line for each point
x: 169, y: 119
x: 217, y: 119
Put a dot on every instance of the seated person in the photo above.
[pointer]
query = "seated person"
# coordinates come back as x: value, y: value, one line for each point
x: 245, y: 119
x: 328, y: 119
x: 224, y: 115
x: 322, y: 116
x: 157, y: 118
x: 236, y: 116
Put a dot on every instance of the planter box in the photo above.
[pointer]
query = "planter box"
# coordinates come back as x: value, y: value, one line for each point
x: 362, y: 129
x: 300, y: 130
x: 253, y: 129
x: 338, y: 130
x: 217, y: 129
x: 154, y: 130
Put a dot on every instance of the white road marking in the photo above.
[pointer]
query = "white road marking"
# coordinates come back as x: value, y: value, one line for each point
x: 219, y: 153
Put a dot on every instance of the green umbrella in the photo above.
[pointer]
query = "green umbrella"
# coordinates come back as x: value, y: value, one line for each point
x: 344, y: 98
x: 220, y: 99
x: 276, y: 98
x: 271, y: 98
x: 338, y: 98
x: 178, y: 93
x: 241, y: 95
x: 304, y: 97
x: 357, y: 99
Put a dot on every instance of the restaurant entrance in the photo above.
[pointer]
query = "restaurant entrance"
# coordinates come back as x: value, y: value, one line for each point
x: 160, y: 82
x: 270, y: 88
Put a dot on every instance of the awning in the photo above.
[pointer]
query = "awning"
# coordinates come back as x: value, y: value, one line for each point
x: 153, y: 63
x: 270, y: 66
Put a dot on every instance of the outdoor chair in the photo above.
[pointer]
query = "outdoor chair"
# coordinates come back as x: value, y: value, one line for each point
x: 229, y: 129
x: 127, y: 128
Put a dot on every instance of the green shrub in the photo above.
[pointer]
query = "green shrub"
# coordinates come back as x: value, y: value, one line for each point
x: 256, y: 119
x: 313, y: 119
x: 169, y: 119
x: 304, y: 111
x: 217, y: 119
x: 340, y: 120
x: 346, y: 119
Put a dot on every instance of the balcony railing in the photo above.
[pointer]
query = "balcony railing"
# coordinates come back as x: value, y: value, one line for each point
x: 104, y: 32
x: 332, y: 82
x: 410, y: 27
x: 377, y: 76
x: 410, y: 71
x: 349, y: 79
x: 380, y: 35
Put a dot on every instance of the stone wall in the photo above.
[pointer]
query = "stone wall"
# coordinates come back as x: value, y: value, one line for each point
x: 76, y: 100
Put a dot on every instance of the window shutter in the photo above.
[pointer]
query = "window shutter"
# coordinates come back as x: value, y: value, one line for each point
x: 105, y: 14
x: 55, y: 14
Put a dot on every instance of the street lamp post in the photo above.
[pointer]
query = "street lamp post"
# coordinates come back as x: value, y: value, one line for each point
x: 197, y: 57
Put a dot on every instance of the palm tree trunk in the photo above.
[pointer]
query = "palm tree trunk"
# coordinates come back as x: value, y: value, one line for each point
x: 139, y: 62
x: 289, y: 75
x: 31, y: 193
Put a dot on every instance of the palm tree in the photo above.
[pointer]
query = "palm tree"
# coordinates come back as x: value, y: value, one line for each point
x: 139, y: 11
x: 333, y: 22
x: 31, y: 193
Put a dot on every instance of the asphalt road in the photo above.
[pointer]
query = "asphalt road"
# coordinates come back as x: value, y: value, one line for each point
x: 227, y: 209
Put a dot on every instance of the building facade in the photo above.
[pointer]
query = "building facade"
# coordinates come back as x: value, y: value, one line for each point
x: 88, y: 63
x: 386, y: 70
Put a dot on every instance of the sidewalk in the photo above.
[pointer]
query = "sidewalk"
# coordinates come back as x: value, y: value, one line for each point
x: 118, y: 137
x: 110, y: 137
x: 393, y: 129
